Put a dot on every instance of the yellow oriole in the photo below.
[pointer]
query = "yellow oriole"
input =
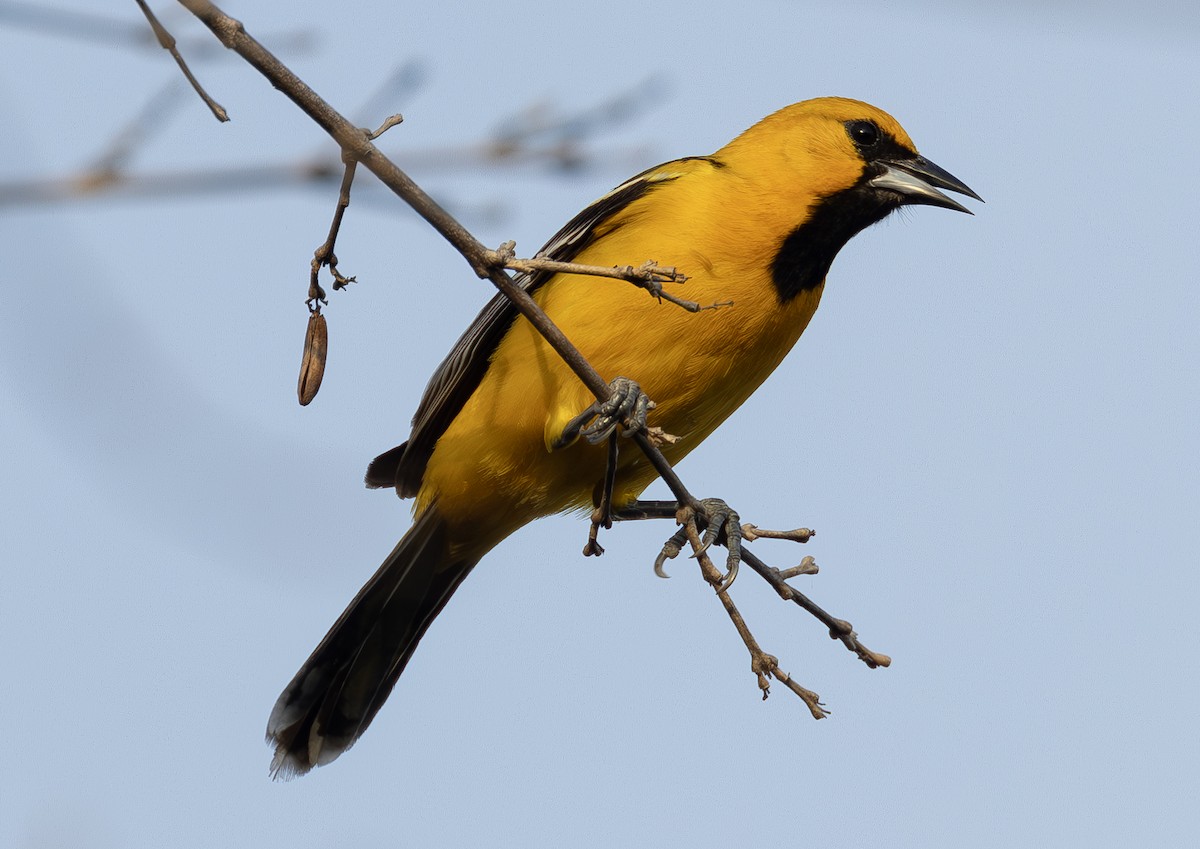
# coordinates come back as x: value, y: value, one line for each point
x: 757, y: 223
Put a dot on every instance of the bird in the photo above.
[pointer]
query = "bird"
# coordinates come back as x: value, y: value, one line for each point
x: 495, y: 442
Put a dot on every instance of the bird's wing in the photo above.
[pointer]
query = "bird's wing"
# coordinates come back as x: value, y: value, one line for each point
x: 461, y: 372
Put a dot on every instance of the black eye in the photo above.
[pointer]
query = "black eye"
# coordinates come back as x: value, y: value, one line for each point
x: 863, y: 133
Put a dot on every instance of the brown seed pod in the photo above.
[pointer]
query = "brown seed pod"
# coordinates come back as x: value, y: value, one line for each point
x: 312, y: 366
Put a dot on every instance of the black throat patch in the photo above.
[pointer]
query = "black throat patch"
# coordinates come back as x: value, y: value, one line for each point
x: 804, y: 258
x: 806, y: 254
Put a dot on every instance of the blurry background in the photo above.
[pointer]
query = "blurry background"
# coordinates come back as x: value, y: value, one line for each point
x: 992, y: 422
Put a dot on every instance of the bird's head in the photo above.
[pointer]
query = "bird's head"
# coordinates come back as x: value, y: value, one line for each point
x: 826, y: 169
x: 832, y: 145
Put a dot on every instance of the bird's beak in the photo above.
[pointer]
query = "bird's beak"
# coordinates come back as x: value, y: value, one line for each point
x: 917, y: 180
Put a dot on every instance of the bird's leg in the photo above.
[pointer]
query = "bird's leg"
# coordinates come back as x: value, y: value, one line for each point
x: 602, y: 512
x: 637, y: 510
x: 627, y: 406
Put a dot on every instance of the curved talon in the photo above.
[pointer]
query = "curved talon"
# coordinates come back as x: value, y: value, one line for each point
x: 670, y: 549
x: 571, y: 432
x: 627, y: 406
x: 730, y: 576
x: 723, y: 521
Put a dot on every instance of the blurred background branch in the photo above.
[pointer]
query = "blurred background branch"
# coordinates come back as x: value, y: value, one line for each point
x: 539, y: 134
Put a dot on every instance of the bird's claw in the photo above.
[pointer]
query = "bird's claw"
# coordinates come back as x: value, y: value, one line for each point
x: 627, y: 406
x: 724, y: 527
x: 670, y: 550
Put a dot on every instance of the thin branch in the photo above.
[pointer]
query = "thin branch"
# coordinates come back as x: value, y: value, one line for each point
x: 316, y: 340
x: 753, y: 532
x: 324, y: 255
x: 764, y: 665
x: 808, y: 566
x: 649, y: 272
x: 167, y: 41
x: 388, y: 122
x: 839, y: 629
x: 649, y: 275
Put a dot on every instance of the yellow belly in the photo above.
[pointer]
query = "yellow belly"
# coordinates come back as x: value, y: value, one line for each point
x: 492, y: 472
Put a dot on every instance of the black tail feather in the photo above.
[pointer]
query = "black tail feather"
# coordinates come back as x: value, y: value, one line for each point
x: 342, y: 685
x: 384, y: 470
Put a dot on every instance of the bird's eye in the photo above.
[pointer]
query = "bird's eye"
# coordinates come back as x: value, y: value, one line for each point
x: 863, y: 133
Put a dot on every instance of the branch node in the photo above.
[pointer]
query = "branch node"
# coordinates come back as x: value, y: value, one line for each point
x: 659, y: 437
x: 840, y: 629
x: 497, y: 260
x: 876, y: 659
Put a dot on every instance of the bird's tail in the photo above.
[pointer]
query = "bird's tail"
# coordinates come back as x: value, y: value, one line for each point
x: 342, y: 685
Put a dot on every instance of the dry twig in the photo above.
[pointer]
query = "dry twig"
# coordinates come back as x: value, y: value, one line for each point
x: 167, y: 41
x: 649, y: 275
x: 763, y: 665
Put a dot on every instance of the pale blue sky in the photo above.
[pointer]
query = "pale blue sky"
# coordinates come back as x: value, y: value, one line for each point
x: 991, y: 421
